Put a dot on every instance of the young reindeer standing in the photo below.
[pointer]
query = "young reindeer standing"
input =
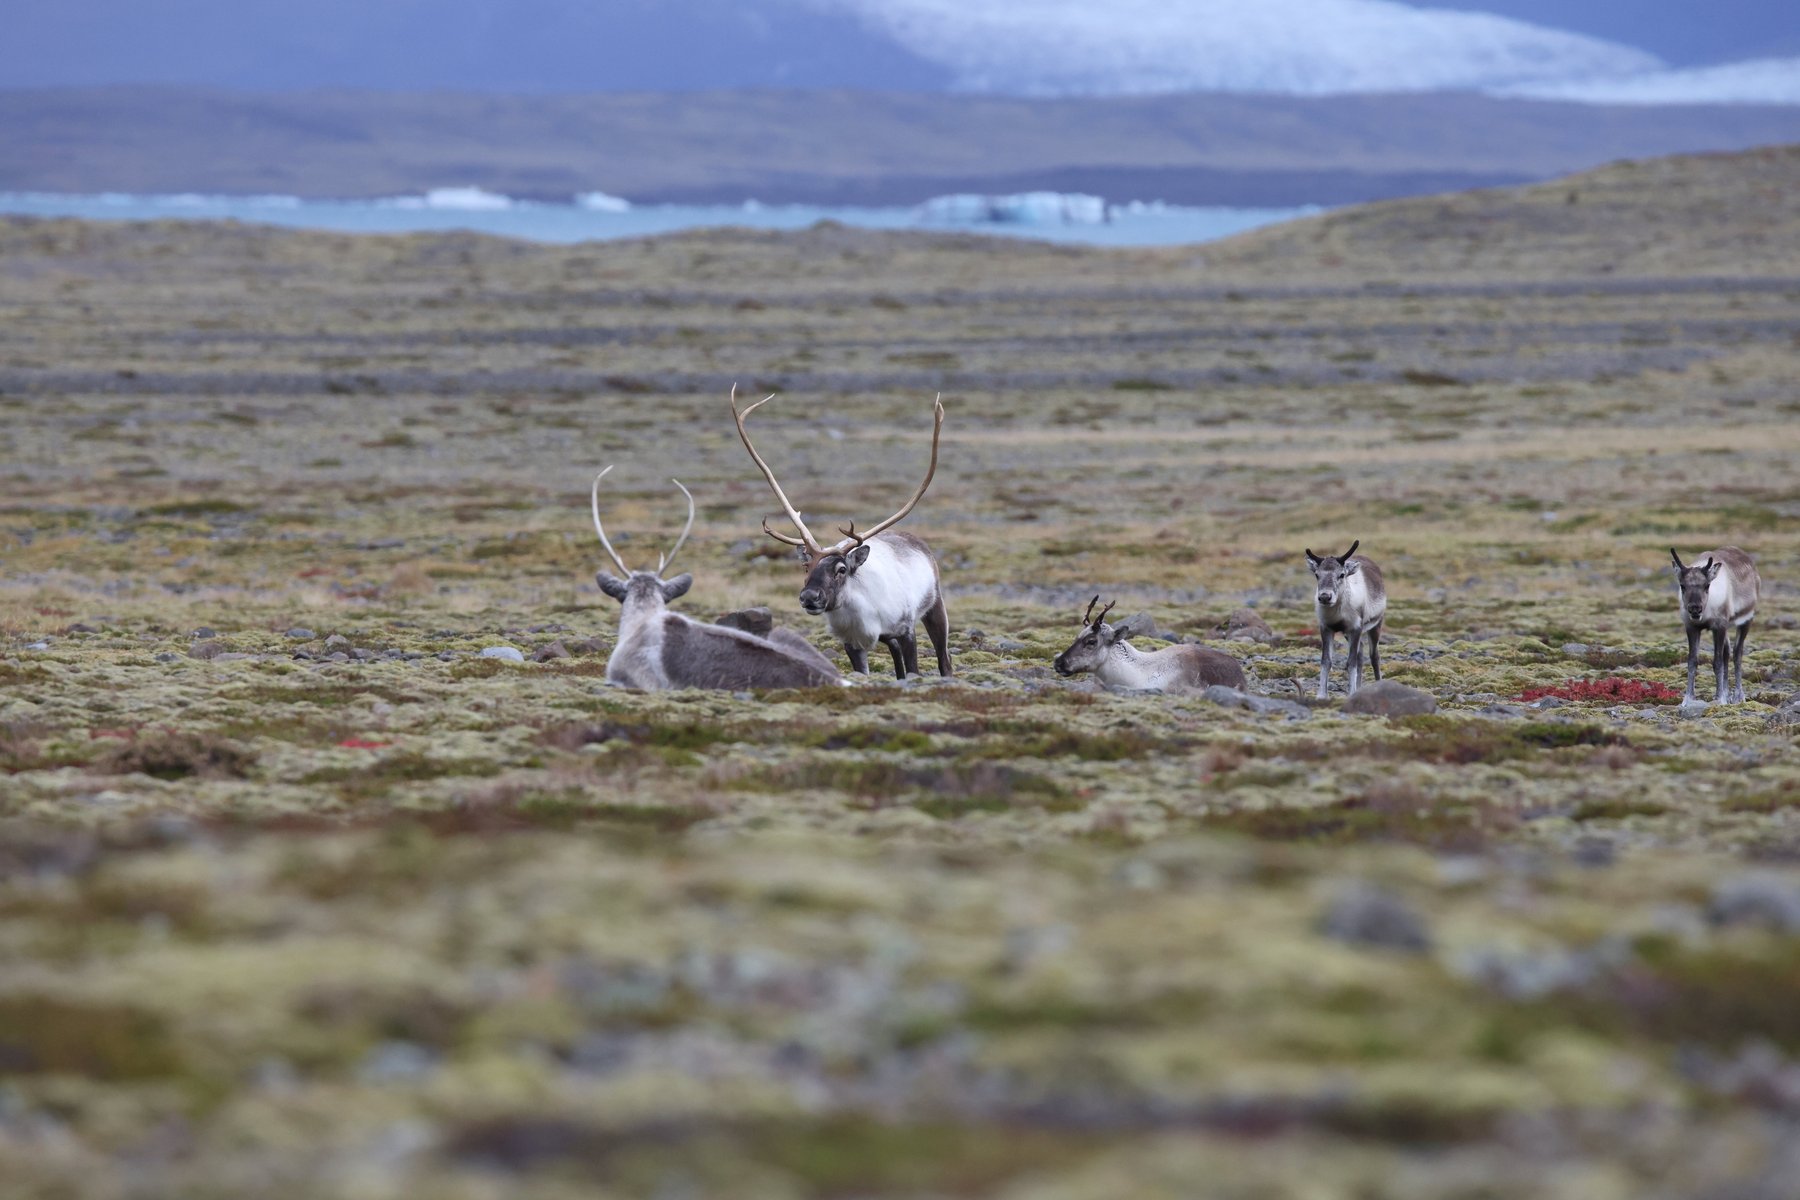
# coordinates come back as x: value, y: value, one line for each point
x: 1718, y: 593
x: 1102, y: 649
x: 658, y: 649
x: 1352, y: 600
x: 870, y: 587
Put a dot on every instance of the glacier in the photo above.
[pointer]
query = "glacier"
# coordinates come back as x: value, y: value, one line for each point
x: 1753, y: 81
x: 1302, y: 47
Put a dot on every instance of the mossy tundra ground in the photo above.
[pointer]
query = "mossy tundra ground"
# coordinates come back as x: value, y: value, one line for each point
x: 374, y: 916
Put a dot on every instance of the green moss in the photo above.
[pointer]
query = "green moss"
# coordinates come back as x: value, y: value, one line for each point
x: 1389, y: 813
x: 44, y: 1034
x: 1617, y: 809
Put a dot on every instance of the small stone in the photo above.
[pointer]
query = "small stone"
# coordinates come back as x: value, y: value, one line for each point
x: 1787, y: 715
x: 79, y: 627
x: 1548, y: 702
x: 1008, y: 644
x: 166, y: 657
x: 337, y: 641
x: 207, y: 650
x: 1385, y: 698
x: 1575, y: 649
x: 1366, y: 915
x: 338, y: 656
x: 204, y: 632
x: 446, y: 656
x: 38, y: 646
x: 1692, y: 708
x: 1230, y: 697
x: 363, y: 655
x: 301, y: 634
x: 1760, y: 898
x: 504, y: 654
x: 553, y: 651
x: 759, y: 620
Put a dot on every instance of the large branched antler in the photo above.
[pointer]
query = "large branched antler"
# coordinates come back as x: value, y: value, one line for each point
x: 937, y: 429
x: 662, y: 560
x: 806, y: 538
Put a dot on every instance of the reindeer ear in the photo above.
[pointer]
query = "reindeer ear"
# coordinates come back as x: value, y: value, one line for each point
x: 612, y: 585
x: 1352, y: 565
x: 858, y: 556
x: 1711, y: 567
x: 677, y: 587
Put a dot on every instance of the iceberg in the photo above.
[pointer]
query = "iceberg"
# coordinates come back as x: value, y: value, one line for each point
x: 602, y: 202
x: 453, y: 199
x: 1025, y: 208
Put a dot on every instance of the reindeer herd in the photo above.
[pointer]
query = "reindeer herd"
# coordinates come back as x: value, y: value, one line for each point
x: 878, y: 586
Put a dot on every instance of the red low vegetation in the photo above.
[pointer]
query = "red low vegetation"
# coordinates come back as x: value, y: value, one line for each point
x: 1611, y: 691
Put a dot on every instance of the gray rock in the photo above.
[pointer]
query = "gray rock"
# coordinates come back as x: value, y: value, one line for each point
x: 1386, y: 698
x: 1218, y: 693
x: 397, y: 1062
x: 751, y: 620
x: 1759, y: 898
x: 1008, y: 644
x: 1575, y: 649
x: 1143, y: 625
x: 1366, y: 915
x: 166, y: 657
x: 504, y: 654
x: 337, y: 656
x: 548, y: 653
x: 1786, y: 716
x: 38, y: 646
x: 1246, y: 624
x: 1692, y: 708
x: 301, y: 633
x: 337, y: 641
x: 208, y: 649
x: 1548, y: 702
x: 204, y: 632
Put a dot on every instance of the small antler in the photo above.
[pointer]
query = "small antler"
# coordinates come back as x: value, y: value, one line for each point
x: 601, y: 529
x: 1101, y: 619
x: 1677, y: 558
x: 662, y: 560
x: 937, y: 429
x: 1088, y: 617
x: 793, y: 514
x: 1345, y: 556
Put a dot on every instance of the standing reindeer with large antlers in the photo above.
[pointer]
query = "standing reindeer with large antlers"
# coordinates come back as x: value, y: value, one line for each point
x: 659, y: 649
x: 873, y: 586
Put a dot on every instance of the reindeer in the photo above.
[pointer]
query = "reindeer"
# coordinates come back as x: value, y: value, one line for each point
x: 1352, y: 600
x: 1717, y: 593
x: 873, y: 586
x: 659, y: 649
x: 1115, y: 662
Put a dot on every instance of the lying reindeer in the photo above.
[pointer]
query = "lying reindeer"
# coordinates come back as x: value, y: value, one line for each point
x: 1351, y: 599
x: 1718, y: 593
x: 1115, y: 662
x: 871, y: 587
x: 659, y: 649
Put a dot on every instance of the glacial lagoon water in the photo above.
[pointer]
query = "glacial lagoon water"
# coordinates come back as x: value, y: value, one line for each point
x: 595, y: 216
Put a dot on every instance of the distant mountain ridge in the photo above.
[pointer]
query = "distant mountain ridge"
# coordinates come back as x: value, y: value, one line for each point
x: 836, y: 147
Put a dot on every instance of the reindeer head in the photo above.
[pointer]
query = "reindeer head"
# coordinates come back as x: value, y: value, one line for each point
x: 642, y: 587
x: 1092, y: 646
x: 828, y: 572
x: 1693, y: 583
x: 1331, y: 571
x: 830, y: 568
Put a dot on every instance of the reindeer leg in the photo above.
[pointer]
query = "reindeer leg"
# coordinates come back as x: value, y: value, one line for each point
x: 1375, y: 650
x: 1354, y: 636
x: 1737, y: 662
x: 859, y: 658
x: 898, y: 651
x: 909, y: 642
x: 1693, y: 632
x: 1324, y: 661
x: 937, y: 628
x: 1721, y: 668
